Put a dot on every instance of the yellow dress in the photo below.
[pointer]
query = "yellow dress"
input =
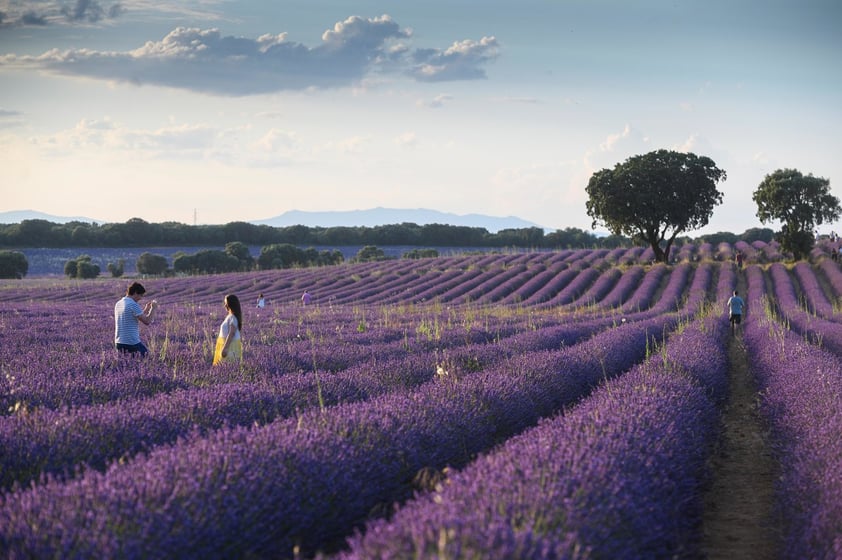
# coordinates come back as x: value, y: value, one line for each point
x: 235, y: 348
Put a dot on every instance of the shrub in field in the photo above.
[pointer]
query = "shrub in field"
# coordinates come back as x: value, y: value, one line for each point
x: 116, y: 269
x: 369, y: 253
x: 420, y: 254
x: 81, y: 267
x: 151, y: 264
x: 13, y: 264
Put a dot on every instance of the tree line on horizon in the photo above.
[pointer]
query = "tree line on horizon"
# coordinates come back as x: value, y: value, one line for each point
x: 136, y: 232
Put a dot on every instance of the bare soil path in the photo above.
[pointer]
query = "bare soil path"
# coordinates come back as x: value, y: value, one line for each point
x: 738, y: 521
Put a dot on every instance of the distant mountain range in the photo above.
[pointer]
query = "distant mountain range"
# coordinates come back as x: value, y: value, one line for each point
x: 383, y: 216
x: 350, y: 218
x: 17, y: 216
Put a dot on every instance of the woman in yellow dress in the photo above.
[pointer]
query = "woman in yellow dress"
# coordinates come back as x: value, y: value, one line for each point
x: 229, y: 345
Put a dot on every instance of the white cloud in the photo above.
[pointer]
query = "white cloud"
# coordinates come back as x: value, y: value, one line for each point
x: 351, y: 145
x: 612, y: 139
x: 525, y: 100
x: 689, y: 145
x: 464, y: 60
x: 435, y: 103
x: 616, y: 148
x: 90, y: 136
x: 207, y: 61
x: 276, y: 141
x: 407, y: 140
x: 761, y: 158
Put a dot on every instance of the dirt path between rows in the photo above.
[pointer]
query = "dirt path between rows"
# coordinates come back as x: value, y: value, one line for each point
x: 738, y: 519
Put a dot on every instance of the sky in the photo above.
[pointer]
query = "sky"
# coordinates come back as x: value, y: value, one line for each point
x: 213, y: 111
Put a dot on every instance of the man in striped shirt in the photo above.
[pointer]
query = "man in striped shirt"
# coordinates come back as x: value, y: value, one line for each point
x: 127, y: 313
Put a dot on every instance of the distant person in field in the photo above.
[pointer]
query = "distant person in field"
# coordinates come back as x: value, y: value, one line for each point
x: 739, y: 260
x: 127, y: 318
x: 261, y: 302
x: 229, y: 344
x: 305, y: 299
x: 736, y: 309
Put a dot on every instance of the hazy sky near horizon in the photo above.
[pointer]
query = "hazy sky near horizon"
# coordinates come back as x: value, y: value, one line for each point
x: 242, y: 110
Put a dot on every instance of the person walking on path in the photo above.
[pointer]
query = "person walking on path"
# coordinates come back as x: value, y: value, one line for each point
x: 229, y: 344
x: 736, y: 309
x: 127, y: 316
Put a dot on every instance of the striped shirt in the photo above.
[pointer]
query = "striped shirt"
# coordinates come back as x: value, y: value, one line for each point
x: 126, y: 327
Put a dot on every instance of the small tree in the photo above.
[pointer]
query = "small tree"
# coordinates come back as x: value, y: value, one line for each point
x: 370, y: 253
x: 800, y: 203
x: 655, y: 197
x: 70, y: 268
x: 213, y: 261
x: 13, y: 264
x: 86, y: 269
x: 241, y: 252
x: 116, y: 269
x: 81, y: 267
x: 153, y: 265
x: 279, y: 255
x: 420, y: 254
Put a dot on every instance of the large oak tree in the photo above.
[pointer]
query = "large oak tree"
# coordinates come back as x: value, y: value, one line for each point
x: 800, y: 202
x: 656, y: 196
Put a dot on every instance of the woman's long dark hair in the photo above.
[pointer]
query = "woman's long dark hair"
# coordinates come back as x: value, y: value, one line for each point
x: 233, y: 303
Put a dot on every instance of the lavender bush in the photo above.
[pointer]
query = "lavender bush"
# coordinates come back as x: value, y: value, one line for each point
x: 801, y: 395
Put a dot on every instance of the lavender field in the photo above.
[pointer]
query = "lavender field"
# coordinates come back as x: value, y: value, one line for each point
x: 535, y: 405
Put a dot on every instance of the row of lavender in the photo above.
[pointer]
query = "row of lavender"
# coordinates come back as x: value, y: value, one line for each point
x: 801, y: 396
x: 302, y: 482
x: 348, y: 367
x: 527, y: 279
x: 618, y: 476
x: 805, y: 305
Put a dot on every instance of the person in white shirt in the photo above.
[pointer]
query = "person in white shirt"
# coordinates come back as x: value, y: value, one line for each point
x: 127, y: 316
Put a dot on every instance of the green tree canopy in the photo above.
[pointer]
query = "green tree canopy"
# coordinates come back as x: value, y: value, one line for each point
x: 81, y: 267
x: 656, y: 196
x: 240, y: 251
x: 153, y: 265
x: 116, y: 269
x: 800, y: 202
x: 13, y: 264
x: 370, y: 253
x: 279, y: 255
